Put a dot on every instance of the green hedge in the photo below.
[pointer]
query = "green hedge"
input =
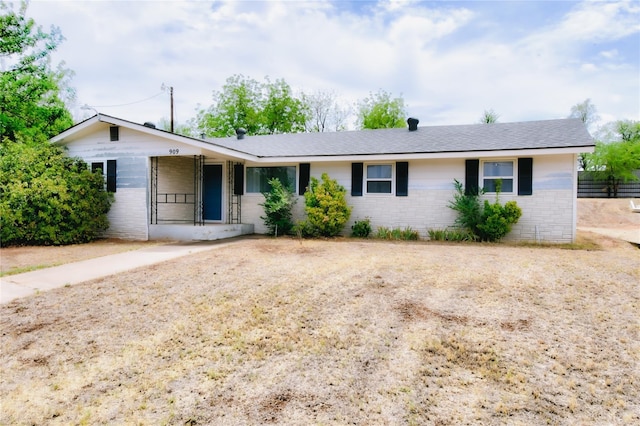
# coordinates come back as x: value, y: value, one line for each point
x: 48, y: 198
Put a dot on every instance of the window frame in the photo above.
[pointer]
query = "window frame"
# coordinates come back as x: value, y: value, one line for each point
x: 366, y: 179
x: 109, y: 176
x: 513, y: 176
x: 114, y: 133
x: 248, y: 180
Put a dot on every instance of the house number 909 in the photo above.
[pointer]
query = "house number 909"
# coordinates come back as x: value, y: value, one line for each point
x: 174, y: 151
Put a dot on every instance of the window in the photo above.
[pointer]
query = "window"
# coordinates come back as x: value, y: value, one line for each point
x: 114, y: 133
x: 258, y: 177
x: 379, y: 178
x: 492, y: 171
x: 98, y: 167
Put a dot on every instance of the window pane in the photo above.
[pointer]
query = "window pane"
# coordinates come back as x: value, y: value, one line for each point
x: 379, y: 187
x: 498, y: 168
x: 381, y: 171
x: 258, y: 177
x: 490, y: 185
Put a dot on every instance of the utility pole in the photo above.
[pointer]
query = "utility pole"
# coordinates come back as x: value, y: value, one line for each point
x: 171, y: 95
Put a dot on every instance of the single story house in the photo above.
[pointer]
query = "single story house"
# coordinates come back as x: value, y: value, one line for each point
x: 172, y: 186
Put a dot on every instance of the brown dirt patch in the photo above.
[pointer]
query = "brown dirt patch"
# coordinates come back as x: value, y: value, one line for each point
x: 287, y: 331
x: 22, y: 259
x: 607, y: 213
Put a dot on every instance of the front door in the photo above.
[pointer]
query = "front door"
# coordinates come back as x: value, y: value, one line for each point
x: 212, y: 192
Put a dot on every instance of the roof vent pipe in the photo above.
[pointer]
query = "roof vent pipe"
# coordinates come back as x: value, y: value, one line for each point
x: 240, y: 132
x: 413, y: 124
x: 149, y: 125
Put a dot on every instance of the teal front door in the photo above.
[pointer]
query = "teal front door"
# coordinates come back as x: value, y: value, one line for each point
x: 212, y: 192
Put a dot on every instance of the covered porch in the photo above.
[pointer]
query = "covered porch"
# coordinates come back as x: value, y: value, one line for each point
x: 194, y: 198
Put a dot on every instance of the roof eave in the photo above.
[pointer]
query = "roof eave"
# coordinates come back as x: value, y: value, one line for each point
x: 427, y: 155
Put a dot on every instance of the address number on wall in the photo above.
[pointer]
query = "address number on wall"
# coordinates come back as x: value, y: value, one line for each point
x: 174, y: 151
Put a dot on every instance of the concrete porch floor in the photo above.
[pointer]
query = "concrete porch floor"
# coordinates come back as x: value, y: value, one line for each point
x: 207, y: 232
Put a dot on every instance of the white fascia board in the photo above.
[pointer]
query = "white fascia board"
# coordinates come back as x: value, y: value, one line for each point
x: 427, y: 156
x: 206, y: 146
x: 75, y: 129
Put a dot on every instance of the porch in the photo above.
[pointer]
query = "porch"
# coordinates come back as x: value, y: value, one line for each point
x: 207, y: 232
x: 192, y: 198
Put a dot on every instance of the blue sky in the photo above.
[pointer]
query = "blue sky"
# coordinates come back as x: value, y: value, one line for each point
x: 449, y: 60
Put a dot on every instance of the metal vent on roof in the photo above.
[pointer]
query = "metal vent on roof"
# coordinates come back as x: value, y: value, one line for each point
x: 149, y: 124
x: 240, y: 132
x: 413, y: 124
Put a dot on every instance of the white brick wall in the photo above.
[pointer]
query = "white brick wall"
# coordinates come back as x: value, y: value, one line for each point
x: 548, y: 214
x: 128, y: 215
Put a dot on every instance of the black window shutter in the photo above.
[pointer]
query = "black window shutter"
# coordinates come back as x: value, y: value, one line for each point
x: 471, y: 178
x: 305, y: 173
x: 525, y: 176
x: 402, y: 179
x: 114, y: 133
x: 238, y: 179
x: 356, y: 179
x: 111, y: 175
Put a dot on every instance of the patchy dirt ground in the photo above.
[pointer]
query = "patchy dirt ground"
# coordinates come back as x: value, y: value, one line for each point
x: 23, y: 259
x: 286, y: 331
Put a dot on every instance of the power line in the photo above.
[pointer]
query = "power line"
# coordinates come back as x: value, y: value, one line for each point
x: 130, y: 103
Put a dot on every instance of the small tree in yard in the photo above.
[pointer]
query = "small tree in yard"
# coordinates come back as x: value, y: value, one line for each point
x: 488, y: 222
x: 278, y: 205
x: 326, y: 208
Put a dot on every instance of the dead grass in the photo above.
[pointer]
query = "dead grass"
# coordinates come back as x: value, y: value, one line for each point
x: 16, y: 260
x: 335, y: 332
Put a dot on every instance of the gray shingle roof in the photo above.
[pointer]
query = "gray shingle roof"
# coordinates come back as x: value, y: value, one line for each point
x: 562, y: 133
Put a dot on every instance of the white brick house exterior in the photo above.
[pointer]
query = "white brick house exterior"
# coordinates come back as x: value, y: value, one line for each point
x: 167, y: 185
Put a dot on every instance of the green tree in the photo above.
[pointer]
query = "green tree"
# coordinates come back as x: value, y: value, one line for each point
x: 30, y: 89
x: 616, y: 161
x: 489, y: 117
x: 380, y: 111
x: 326, y: 207
x: 259, y: 108
x: 47, y: 198
x: 278, y: 205
x: 281, y: 111
x: 587, y: 113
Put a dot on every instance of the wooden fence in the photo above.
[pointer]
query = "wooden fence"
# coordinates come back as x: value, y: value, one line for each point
x: 591, y: 186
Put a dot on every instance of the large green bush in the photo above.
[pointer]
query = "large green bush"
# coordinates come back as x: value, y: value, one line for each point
x: 326, y: 208
x: 488, y: 221
x: 278, y: 205
x: 48, y: 198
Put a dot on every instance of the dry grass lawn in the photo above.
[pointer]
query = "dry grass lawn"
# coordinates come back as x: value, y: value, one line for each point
x: 284, y: 331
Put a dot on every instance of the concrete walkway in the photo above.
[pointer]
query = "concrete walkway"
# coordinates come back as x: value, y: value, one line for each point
x: 629, y: 235
x: 21, y: 285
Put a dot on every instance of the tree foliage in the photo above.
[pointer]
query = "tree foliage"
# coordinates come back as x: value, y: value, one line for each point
x: 278, y: 205
x: 326, y: 207
x: 259, y: 108
x: 48, y: 198
x: 489, y: 117
x: 616, y: 161
x: 585, y: 111
x: 30, y: 89
x: 380, y: 111
x: 325, y: 115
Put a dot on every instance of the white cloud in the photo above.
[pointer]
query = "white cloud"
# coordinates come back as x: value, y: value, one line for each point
x: 449, y: 60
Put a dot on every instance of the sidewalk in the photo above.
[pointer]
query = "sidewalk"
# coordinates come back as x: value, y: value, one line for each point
x: 21, y: 285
